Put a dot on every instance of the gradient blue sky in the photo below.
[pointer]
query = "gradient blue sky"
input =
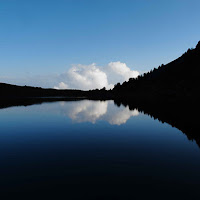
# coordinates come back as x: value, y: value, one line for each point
x: 42, y: 37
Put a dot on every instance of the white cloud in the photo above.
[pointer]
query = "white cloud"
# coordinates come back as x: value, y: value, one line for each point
x: 87, y: 77
x: 122, y: 70
x: 62, y: 86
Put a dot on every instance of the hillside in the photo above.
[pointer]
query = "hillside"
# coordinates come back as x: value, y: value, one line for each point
x: 14, y: 91
x: 179, y: 78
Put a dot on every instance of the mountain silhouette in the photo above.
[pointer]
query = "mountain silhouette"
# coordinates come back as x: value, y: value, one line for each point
x: 178, y: 79
x: 14, y: 91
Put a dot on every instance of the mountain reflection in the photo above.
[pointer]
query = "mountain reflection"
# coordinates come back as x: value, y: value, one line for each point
x: 92, y: 111
x: 115, y: 112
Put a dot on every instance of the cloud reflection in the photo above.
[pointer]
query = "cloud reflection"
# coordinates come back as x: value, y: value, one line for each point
x: 91, y: 111
x: 87, y: 111
x: 122, y: 116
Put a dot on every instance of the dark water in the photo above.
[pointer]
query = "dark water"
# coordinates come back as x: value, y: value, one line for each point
x: 94, y: 150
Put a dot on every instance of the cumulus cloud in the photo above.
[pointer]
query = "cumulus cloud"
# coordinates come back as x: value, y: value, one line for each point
x: 61, y: 85
x: 87, y: 77
x: 122, y: 70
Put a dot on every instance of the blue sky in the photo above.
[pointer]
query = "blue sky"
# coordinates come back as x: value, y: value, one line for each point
x: 44, y: 38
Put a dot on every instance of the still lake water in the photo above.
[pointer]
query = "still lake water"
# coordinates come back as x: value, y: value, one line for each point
x: 94, y: 149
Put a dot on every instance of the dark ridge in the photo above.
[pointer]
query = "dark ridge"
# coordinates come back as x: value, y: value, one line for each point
x: 8, y: 91
x: 178, y: 79
x: 14, y: 91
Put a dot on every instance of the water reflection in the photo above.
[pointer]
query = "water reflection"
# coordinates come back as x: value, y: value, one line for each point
x: 176, y: 114
x: 91, y: 111
x: 121, y: 116
x: 42, y: 151
x: 85, y: 111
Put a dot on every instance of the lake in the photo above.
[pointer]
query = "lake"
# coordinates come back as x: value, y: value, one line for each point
x: 94, y: 150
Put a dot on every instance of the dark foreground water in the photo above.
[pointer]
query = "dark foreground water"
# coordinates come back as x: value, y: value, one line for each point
x: 94, y: 150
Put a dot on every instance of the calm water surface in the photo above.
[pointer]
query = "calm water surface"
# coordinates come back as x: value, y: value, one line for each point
x: 94, y: 149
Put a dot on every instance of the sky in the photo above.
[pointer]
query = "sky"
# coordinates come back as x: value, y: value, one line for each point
x: 87, y: 44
